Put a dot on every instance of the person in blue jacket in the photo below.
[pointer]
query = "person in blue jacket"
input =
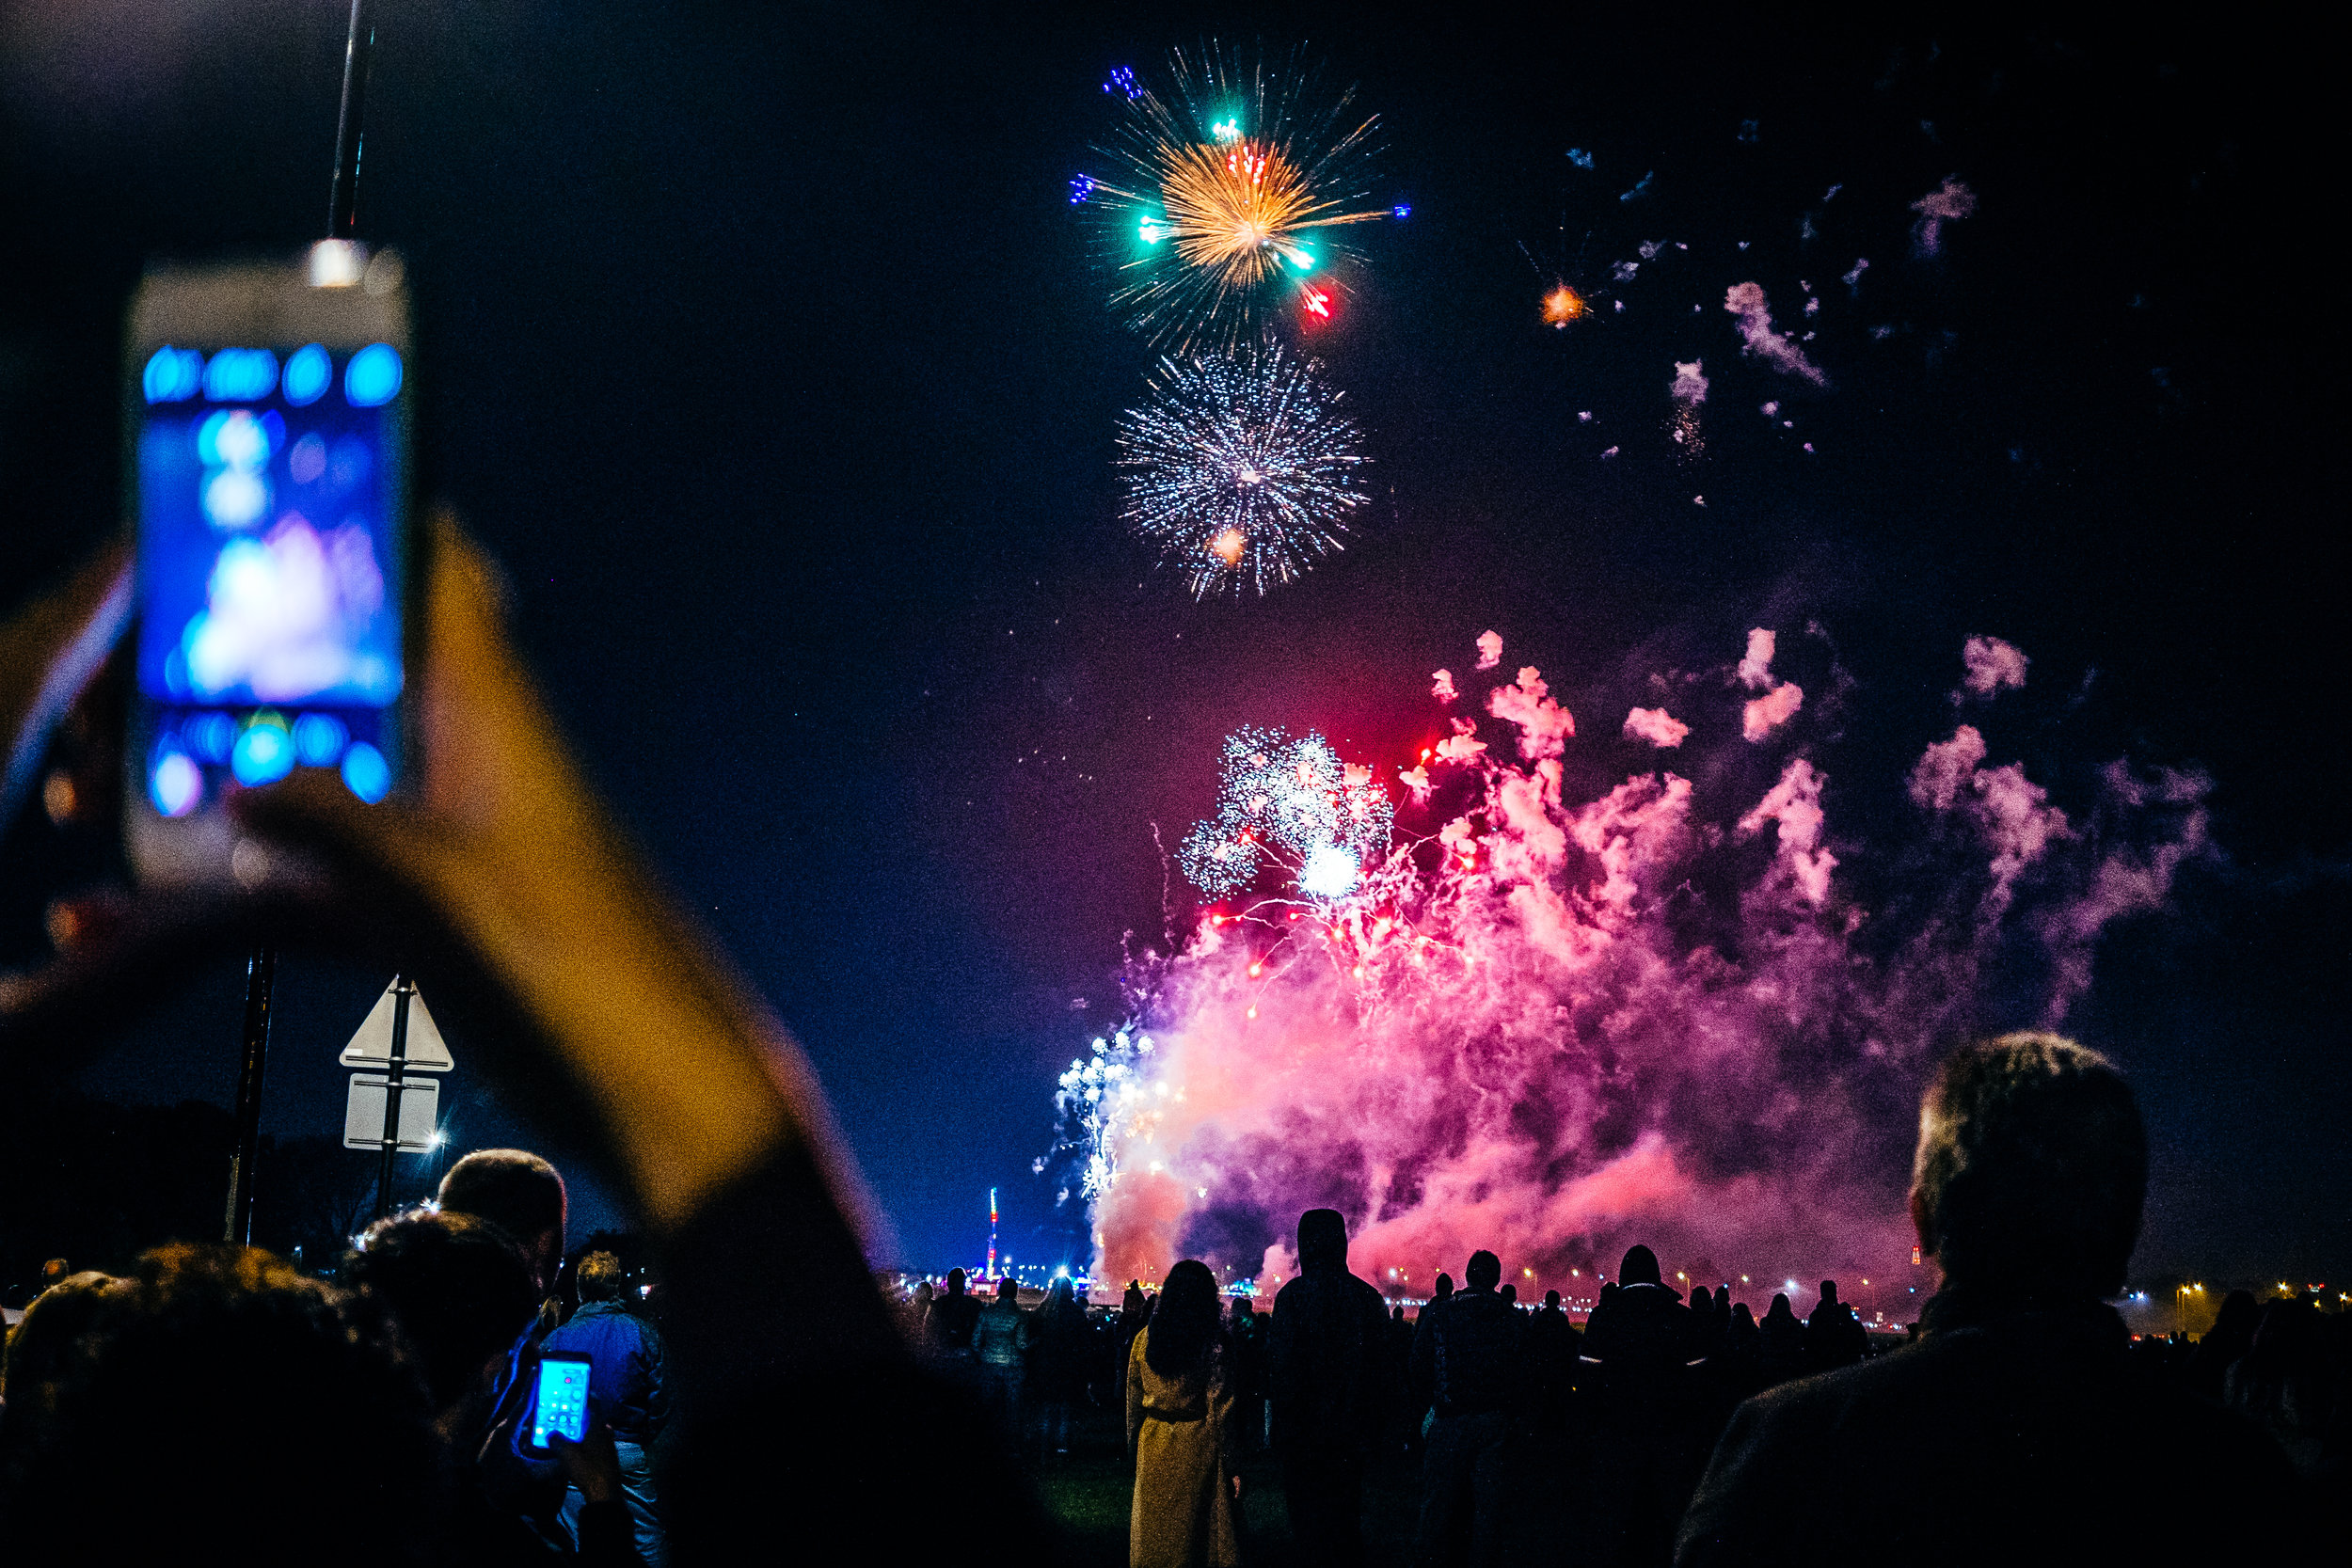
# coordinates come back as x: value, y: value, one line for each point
x: 627, y: 1390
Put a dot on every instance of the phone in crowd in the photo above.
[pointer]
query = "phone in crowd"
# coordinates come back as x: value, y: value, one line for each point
x: 561, y: 1407
x: 268, y: 483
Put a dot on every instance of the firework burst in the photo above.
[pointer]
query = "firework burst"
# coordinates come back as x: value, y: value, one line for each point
x: 1291, y: 803
x: 1239, y: 469
x: 1230, y: 197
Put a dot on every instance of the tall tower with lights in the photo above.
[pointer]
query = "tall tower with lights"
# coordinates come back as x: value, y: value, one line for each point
x: 991, y: 1235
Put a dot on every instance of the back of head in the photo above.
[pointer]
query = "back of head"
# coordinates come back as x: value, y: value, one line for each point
x: 2031, y: 1168
x: 955, y: 1282
x: 238, y: 1401
x: 1639, y: 1268
x: 1484, y: 1271
x: 1829, y: 1293
x: 513, y: 1189
x: 1780, y: 1307
x: 1442, y: 1289
x: 1742, y: 1316
x: 1007, y: 1292
x: 1184, y: 1321
x: 458, y: 1287
x: 1552, y: 1301
x: 598, y: 1276
x: 1322, y: 1241
x: 45, y: 1343
x: 1701, y: 1299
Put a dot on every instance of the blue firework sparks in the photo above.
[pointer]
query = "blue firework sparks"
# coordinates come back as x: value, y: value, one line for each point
x: 1239, y: 469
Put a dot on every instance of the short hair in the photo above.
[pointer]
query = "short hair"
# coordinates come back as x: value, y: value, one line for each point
x: 1484, y: 1271
x: 458, y: 1286
x: 512, y: 1188
x: 296, y: 1398
x: 598, y: 1276
x: 2032, y: 1167
x: 45, y: 1340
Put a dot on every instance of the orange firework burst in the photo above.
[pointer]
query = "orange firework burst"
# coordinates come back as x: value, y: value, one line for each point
x: 1562, y: 306
x: 1227, y: 190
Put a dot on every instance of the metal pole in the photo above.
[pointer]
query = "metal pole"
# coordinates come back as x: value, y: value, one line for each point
x: 260, y: 975
x: 402, y: 990
x: 343, y: 211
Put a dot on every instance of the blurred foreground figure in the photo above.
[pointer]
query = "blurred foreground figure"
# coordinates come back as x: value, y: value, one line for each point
x: 211, y: 1382
x: 225, y: 1404
x: 1327, y: 1369
x: 2016, y: 1429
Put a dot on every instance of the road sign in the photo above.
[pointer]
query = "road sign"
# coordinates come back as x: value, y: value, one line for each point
x: 363, y: 1113
x: 372, y: 1045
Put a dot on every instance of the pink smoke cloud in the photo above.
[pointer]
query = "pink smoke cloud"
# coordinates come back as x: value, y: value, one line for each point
x: 1656, y: 726
x: 1444, y: 688
x: 1756, y: 665
x: 1767, y: 713
x: 1463, y: 745
x: 1545, y: 726
x: 1746, y: 302
x: 1522, y: 1033
x: 1690, y: 384
x: 1948, y: 203
x: 1991, y: 665
x: 1490, y: 649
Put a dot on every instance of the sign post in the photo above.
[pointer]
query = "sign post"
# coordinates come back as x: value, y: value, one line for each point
x: 261, y: 977
x: 398, y: 1037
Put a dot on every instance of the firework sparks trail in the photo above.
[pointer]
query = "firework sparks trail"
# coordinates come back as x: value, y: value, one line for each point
x: 1230, y: 192
x: 1238, y: 470
x: 1552, y: 1026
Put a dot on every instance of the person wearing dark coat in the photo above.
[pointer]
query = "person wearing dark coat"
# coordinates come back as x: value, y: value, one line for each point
x: 1469, y: 1366
x: 1780, y: 1341
x: 1552, y: 1347
x: 1834, y: 1335
x: 2016, y: 1427
x: 1326, y: 1374
x: 952, y: 1318
x: 1652, y: 1420
x: 2231, y: 1337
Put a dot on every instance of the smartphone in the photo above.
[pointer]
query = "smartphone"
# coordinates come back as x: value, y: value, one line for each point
x: 267, y: 452
x: 561, y: 1408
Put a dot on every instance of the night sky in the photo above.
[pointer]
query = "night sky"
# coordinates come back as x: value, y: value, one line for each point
x: 769, y: 359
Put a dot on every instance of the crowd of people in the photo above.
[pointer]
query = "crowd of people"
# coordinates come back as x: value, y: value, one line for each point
x: 1704, y: 1433
x: 421, y: 1352
x: 214, y: 1400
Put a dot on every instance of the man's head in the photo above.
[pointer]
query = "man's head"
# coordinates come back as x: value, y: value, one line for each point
x: 955, y: 1282
x: 1639, y: 1268
x: 1829, y: 1293
x: 1442, y: 1289
x: 460, y: 1288
x: 2031, y: 1168
x: 1485, y: 1272
x: 519, y: 1191
x: 1552, y: 1301
x: 598, y: 1276
x: 1322, y: 1241
x: 1007, y: 1292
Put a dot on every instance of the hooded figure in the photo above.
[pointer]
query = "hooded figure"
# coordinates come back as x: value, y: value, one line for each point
x: 1328, y: 1376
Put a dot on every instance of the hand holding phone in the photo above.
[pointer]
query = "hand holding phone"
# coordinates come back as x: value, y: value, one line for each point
x: 268, y: 405
x: 560, y: 1407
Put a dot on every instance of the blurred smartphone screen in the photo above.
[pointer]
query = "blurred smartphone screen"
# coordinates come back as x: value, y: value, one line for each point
x: 269, y: 465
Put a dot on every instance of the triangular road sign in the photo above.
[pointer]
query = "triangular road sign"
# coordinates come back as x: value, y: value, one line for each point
x: 372, y: 1045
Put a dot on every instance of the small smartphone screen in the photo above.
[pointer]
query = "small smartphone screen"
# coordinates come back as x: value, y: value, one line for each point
x: 270, y: 569
x: 562, y: 1407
